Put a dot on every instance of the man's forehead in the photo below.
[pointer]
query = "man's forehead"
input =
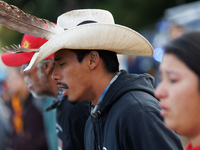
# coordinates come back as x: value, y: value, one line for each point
x: 61, y: 54
x: 58, y: 56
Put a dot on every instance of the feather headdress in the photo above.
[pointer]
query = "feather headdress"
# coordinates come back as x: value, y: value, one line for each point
x: 15, y: 19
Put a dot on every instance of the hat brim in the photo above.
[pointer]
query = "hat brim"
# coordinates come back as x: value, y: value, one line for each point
x: 16, y: 59
x: 95, y: 36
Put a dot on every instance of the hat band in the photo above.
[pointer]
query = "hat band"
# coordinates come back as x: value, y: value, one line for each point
x: 86, y: 22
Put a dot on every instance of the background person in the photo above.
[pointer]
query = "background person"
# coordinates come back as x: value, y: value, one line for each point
x: 71, y: 119
x: 179, y: 89
x: 28, y: 128
x: 5, y: 112
x: 16, y: 60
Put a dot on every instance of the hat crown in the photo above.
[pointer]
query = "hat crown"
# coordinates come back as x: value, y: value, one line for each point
x: 73, y: 18
x: 99, y: 33
x: 31, y: 42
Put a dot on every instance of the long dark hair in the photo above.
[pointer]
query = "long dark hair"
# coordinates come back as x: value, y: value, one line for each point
x: 187, y: 49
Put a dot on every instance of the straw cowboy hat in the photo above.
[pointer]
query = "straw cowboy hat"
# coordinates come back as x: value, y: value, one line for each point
x: 93, y: 29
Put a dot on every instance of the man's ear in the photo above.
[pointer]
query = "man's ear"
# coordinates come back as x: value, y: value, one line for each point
x: 94, y: 59
x: 48, y: 67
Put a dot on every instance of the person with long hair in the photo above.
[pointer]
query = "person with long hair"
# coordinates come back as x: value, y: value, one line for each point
x: 179, y: 89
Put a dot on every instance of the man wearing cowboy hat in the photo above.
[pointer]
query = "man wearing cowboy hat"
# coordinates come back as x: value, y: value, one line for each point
x: 70, y: 119
x: 124, y: 113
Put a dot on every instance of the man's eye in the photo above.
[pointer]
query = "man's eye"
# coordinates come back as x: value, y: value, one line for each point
x: 173, y: 80
x: 62, y: 64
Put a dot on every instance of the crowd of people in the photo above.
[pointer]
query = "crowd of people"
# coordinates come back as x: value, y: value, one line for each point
x: 76, y: 97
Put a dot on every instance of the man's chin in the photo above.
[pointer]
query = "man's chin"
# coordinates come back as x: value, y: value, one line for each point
x: 72, y: 102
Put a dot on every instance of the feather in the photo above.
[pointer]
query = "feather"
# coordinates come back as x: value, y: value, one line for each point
x: 18, y: 49
x: 14, y: 18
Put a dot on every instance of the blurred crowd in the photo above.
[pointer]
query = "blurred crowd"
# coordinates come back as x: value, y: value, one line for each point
x: 22, y: 123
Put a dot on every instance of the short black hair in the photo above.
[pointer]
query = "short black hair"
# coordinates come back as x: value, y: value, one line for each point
x: 110, y: 58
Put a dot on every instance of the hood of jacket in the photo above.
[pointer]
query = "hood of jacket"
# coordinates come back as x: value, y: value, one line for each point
x: 127, y: 82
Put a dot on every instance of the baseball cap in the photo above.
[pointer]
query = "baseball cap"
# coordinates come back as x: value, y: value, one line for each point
x: 18, y: 59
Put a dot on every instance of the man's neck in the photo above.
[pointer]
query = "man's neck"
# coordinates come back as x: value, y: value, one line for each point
x: 101, y: 86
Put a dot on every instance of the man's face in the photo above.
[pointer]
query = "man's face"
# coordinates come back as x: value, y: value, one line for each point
x: 72, y: 75
x: 37, y: 80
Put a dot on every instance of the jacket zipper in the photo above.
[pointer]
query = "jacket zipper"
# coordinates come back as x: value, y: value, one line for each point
x: 99, y: 134
x: 95, y: 134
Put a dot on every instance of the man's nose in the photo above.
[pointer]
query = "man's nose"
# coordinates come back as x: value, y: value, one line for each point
x: 55, y: 75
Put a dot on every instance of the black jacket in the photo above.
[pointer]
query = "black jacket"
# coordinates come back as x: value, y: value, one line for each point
x: 129, y: 119
x: 71, y: 124
x: 71, y: 121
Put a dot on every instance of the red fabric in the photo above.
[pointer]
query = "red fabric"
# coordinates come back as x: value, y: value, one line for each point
x: 18, y: 59
x: 189, y: 147
x: 32, y: 42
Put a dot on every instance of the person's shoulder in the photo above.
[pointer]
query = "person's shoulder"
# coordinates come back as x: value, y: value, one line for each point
x: 146, y: 100
x: 135, y: 102
x: 138, y: 97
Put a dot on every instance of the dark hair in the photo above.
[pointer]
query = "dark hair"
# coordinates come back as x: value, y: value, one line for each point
x: 187, y: 49
x: 110, y: 58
